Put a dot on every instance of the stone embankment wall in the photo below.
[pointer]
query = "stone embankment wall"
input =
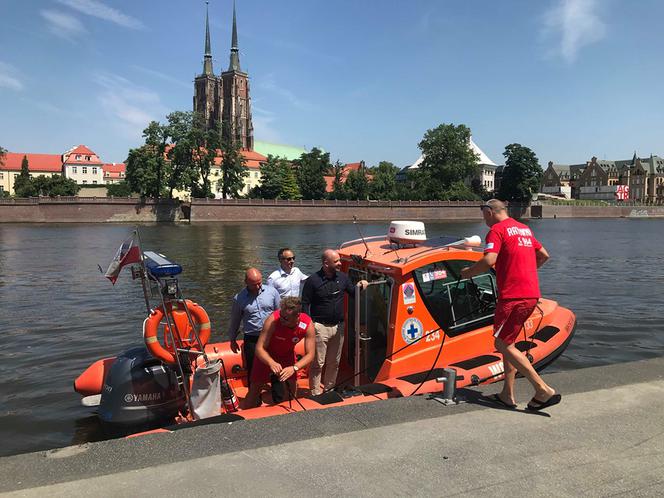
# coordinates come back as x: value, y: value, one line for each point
x: 230, y: 210
x: 562, y: 211
x: 130, y: 210
x: 88, y: 210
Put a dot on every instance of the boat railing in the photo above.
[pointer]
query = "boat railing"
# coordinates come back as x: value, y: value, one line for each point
x: 373, y: 238
x: 442, y: 242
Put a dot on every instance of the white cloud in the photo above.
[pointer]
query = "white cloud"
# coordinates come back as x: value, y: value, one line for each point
x: 268, y: 83
x: 100, y: 10
x: 264, y: 129
x: 162, y: 76
x: 9, y: 77
x: 129, y: 107
x: 63, y: 25
x: 45, y: 106
x: 577, y: 23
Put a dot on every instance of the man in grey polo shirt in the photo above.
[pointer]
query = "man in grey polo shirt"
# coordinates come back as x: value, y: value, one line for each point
x: 288, y: 277
x: 251, y: 306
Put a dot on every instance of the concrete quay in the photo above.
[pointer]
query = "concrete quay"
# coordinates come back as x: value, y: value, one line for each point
x: 606, y: 438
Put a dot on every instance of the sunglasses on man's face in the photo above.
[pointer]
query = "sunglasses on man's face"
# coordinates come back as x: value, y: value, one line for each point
x: 292, y: 258
x: 484, y: 206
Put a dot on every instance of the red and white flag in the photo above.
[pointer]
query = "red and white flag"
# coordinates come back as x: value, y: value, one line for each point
x: 128, y: 253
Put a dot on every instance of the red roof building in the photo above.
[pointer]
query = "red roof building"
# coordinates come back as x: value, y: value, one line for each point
x: 80, y: 155
x: 83, y: 166
x: 329, y: 179
x: 38, y: 165
x: 114, y: 172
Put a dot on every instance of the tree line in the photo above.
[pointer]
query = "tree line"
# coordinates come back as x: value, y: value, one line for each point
x: 447, y: 165
x: 181, y: 155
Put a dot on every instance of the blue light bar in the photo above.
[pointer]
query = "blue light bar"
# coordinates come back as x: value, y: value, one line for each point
x: 159, y: 266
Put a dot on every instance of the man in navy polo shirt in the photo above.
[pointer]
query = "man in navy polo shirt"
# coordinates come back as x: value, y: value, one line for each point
x: 323, y: 301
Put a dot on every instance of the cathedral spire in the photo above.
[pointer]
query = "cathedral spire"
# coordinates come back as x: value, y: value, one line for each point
x: 235, y: 53
x: 207, y: 60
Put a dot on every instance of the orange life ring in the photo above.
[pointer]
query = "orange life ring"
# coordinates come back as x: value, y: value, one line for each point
x: 183, y: 332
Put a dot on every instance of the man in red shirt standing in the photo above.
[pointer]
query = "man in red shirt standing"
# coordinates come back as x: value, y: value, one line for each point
x: 516, y: 255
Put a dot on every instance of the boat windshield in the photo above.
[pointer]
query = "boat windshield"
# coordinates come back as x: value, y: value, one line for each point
x: 457, y: 305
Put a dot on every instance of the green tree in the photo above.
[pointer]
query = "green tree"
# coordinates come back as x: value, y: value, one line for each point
x: 141, y: 172
x: 233, y: 169
x: 270, y: 187
x: 459, y: 191
x: 180, y: 154
x: 120, y: 189
x: 156, y: 141
x: 277, y: 180
x: 448, y: 159
x: 289, y: 187
x: 522, y: 174
x: 383, y: 186
x: 24, y: 185
x: 357, y: 184
x: 311, y: 169
x: 56, y: 185
x: 147, y: 166
x: 338, y: 188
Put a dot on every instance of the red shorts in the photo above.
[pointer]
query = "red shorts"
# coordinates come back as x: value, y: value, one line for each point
x: 260, y: 372
x: 510, y: 316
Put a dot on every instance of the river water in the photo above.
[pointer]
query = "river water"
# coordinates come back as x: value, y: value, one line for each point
x: 58, y: 314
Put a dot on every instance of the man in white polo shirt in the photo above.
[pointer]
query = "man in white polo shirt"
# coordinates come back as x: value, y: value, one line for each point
x: 288, y: 277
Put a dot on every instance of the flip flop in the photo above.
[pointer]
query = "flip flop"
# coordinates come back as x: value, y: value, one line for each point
x: 536, y: 405
x: 496, y: 399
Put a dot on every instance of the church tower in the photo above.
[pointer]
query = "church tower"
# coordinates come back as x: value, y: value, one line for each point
x: 208, y: 94
x: 236, y: 114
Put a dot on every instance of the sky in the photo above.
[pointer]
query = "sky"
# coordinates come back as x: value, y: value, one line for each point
x: 363, y: 79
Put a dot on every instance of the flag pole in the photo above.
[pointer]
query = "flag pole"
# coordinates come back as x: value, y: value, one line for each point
x: 143, y: 271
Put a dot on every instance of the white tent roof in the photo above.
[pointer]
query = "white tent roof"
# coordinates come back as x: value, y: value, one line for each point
x: 484, y: 159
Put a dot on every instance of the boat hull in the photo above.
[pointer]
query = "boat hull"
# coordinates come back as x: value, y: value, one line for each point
x: 473, y: 356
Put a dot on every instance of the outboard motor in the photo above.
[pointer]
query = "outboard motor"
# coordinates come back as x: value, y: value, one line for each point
x: 139, y: 389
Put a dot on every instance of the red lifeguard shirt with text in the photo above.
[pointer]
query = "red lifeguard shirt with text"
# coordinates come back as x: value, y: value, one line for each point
x: 516, y: 266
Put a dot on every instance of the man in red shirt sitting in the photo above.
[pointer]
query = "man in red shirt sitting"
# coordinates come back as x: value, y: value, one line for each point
x: 516, y: 254
x: 275, y: 349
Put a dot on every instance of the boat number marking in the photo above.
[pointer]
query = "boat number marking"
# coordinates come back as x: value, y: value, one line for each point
x: 497, y: 368
x: 411, y: 330
x: 432, y: 336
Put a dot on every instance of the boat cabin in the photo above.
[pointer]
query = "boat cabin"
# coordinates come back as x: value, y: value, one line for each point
x: 415, y: 300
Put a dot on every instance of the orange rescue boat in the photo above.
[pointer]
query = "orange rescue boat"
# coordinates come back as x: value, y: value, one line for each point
x: 416, y: 322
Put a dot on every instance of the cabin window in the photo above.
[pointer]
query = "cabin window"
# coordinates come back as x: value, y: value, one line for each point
x: 457, y: 306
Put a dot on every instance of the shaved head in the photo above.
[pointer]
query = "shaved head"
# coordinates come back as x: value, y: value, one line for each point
x: 331, y: 261
x: 254, y: 280
x: 496, y: 205
x: 494, y: 211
